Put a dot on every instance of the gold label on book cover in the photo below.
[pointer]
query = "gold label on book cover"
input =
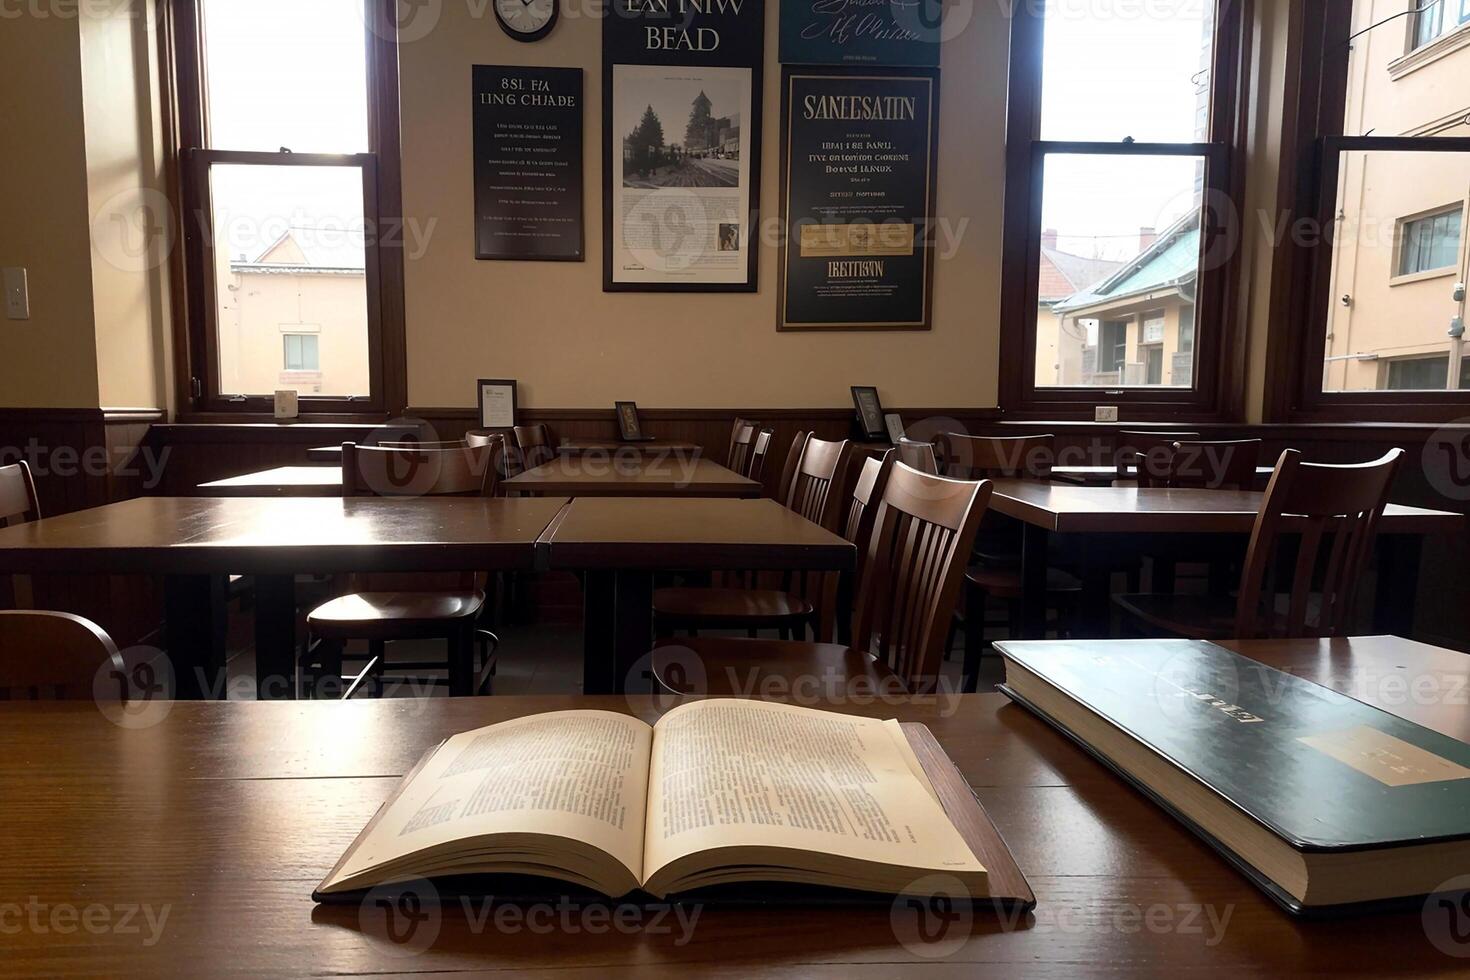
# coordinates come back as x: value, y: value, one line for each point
x: 1391, y: 761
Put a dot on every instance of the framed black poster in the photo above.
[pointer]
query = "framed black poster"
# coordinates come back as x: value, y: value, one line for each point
x: 681, y: 122
x: 886, y: 32
x: 858, y: 167
x: 528, y: 163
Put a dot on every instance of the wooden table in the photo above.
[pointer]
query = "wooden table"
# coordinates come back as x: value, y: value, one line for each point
x: 1103, y: 476
x: 325, y: 454
x: 226, y: 815
x: 281, y: 481
x: 633, y: 476
x: 1107, y: 520
x: 612, y: 447
x: 197, y: 542
x: 617, y: 543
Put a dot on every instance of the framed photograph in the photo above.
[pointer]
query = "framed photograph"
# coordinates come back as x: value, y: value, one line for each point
x: 894, y: 421
x: 869, y: 412
x: 629, y: 425
x: 497, y: 398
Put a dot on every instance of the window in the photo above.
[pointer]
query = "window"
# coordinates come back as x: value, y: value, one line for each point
x: 1441, y: 17
x: 1120, y: 187
x: 287, y: 131
x: 1361, y: 328
x: 302, y: 352
x: 1430, y: 243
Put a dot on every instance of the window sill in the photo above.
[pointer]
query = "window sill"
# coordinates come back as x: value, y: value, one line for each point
x: 1439, y: 48
x: 1448, y: 272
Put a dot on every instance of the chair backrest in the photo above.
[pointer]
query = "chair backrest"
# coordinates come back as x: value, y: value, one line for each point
x: 535, y: 445
x: 54, y: 655
x: 867, y: 490
x: 495, y: 459
x: 918, y: 455
x: 422, y: 443
x: 736, y: 430
x: 993, y: 457
x: 758, y: 453
x: 788, y: 468
x: 1320, y: 519
x: 1223, y: 465
x: 18, y: 503
x: 376, y: 471
x: 740, y: 446
x: 922, y: 535
x: 816, y: 489
x: 1130, y: 444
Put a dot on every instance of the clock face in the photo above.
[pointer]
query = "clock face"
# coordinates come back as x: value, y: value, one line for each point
x: 526, y: 20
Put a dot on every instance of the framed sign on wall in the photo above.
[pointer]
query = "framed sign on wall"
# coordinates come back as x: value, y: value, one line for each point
x: 528, y: 163
x: 497, y: 398
x: 681, y: 121
x: 895, y: 32
x: 859, y: 150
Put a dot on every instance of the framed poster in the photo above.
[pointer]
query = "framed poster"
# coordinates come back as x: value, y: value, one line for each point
x: 681, y: 145
x: 497, y: 403
x: 886, y: 32
x: 528, y: 163
x: 858, y: 167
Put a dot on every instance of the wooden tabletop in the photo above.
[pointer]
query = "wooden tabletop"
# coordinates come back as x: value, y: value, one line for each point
x: 577, y: 447
x: 213, y: 824
x: 262, y: 535
x: 1105, y: 475
x: 325, y: 454
x: 690, y: 533
x: 282, y: 481
x: 668, y: 475
x: 1126, y: 510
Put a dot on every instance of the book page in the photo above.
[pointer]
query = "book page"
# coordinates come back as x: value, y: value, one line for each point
x: 582, y: 775
x: 731, y: 772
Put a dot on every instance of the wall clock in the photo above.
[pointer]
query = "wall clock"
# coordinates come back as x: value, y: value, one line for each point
x: 526, y: 20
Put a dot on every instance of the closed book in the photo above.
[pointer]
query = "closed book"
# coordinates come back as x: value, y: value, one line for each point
x: 1329, y: 804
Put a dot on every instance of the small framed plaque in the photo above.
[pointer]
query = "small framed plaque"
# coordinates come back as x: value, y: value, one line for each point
x: 869, y: 412
x: 497, y: 400
x: 630, y: 427
x: 894, y: 421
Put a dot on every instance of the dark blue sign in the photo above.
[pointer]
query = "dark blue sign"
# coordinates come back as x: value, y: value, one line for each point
x: 861, y: 32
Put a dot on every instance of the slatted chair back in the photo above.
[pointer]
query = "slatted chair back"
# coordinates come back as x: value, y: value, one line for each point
x: 788, y: 468
x: 57, y: 656
x: 534, y: 445
x: 740, y: 446
x: 918, y: 455
x: 494, y: 460
x: 18, y: 503
x: 758, y: 452
x: 922, y: 535
x: 994, y: 457
x: 1318, y: 522
x: 816, y: 491
x: 736, y: 430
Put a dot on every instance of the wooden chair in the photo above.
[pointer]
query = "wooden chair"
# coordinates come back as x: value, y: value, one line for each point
x: 741, y: 424
x: 1318, y: 521
x: 923, y: 530
x: 1222, y: 465
x: 817, y: 494
x: 384, y: 608
x: 758, y: 453
x: 788, y: 468
x: 918, y: 455
x: 18, y: 505
x: 535, y: 445
x: 996, y: 572
x: 55, y: 656
x: 740, y: 447
x: 1130, y: 444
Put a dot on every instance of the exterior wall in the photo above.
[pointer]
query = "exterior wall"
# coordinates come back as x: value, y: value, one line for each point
x: 1378, y: 312
x: 264, y: 307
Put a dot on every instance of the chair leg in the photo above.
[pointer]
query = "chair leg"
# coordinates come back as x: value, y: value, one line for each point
x: 974, y: 637
x: 329, y: 683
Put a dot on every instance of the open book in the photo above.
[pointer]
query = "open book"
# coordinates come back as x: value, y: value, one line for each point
x: 719, y: 792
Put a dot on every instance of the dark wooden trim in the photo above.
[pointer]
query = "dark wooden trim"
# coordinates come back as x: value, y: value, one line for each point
x: 1219, y: 360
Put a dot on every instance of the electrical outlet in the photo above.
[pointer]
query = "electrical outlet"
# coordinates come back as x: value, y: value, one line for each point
x: 17, y: 294
x: 1105, y: 413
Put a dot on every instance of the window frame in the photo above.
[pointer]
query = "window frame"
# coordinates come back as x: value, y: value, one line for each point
x: 1312, y: 149
x: 196, y: 363
x: 1219, y: 367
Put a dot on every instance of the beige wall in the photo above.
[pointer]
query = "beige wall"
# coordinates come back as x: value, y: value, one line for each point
x: 50, y: 360
x: 263, y: 308
x: 571, y: 345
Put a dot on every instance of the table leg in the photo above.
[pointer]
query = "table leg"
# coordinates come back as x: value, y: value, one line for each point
x: 462, y: 663
x: 633, y: 632
x: 599, y: 606
x: 1034, y: 543
x: 275, y: 637
x: 195, y: 614
x: 1094, y: 613
x: 843, y: 609
x: 1398, y: 583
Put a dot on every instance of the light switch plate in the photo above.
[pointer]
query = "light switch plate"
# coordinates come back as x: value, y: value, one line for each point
x: 1105, y: 413
x: 17, y: 294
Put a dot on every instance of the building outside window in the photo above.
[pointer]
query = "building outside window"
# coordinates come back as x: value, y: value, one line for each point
x: 1439, y: 19
x: 1430, y: 243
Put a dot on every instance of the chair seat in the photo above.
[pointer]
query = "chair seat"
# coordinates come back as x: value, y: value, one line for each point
x: 1005, y: 583
x: 394, y: 615
x: 745, y: 607
x: 734, y: 666
x: 1195, y: 617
